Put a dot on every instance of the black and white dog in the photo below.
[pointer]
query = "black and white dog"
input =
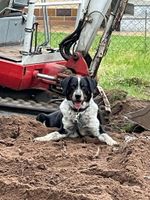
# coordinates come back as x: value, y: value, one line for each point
x: 78, y: 115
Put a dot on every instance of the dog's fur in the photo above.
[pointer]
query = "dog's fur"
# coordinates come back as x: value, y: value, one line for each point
x: 78, y: 114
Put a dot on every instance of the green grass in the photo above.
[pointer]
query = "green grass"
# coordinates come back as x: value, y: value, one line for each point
x: 56, y: 38
x: 126, y: 65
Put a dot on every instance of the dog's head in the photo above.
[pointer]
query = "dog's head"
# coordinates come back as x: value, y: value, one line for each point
x: 78, y: 91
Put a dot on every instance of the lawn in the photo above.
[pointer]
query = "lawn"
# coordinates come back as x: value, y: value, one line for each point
x: 126, y: 65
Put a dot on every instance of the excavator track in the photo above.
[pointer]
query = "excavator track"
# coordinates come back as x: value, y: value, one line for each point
x: 28, y: 107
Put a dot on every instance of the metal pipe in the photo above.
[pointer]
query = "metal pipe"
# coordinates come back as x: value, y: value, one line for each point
x: 59, y: 3
x: 45, y: 76
x: 46, y: 25
x: 28, y: 29
x: 46, y: 28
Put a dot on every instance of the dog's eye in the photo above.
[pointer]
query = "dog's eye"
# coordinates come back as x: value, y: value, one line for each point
x: 83, y: 87
x: 73, y: 86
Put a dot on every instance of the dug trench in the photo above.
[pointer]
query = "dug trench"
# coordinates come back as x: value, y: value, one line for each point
x: 73, y: 169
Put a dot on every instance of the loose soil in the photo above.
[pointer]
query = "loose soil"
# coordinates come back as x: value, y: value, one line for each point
x: 73, y: 169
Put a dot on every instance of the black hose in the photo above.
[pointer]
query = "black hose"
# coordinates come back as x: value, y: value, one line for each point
x: 68, y: 42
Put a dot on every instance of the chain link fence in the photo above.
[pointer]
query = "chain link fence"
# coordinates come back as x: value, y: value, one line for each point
x: 134, y: 30
x: 135, y: 25
x: 61, y: 20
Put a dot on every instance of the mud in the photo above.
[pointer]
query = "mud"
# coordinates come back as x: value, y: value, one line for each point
x: 73, y: 169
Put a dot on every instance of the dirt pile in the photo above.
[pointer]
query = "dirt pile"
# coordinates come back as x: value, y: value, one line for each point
x: 71, y: 169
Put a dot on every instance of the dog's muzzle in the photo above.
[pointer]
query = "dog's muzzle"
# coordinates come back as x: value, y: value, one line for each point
x: 77, y: 101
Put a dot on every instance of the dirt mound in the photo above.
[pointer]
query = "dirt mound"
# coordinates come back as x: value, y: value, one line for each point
x: 71, y: 169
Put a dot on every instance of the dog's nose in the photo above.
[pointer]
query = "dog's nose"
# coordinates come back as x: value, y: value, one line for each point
x: 78, y: 96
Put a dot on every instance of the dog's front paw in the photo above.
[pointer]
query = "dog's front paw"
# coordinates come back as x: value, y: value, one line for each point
x: 104, y: 137
x: 38, y: 139
x: 112, y: 142
x: 48, y: 137
x: 54, y: 136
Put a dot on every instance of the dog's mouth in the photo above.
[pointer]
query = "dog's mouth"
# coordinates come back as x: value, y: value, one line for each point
x: 77, y: 104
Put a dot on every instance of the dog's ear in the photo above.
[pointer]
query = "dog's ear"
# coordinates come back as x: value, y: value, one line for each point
x: 92, y: 83
x: 65, y: 83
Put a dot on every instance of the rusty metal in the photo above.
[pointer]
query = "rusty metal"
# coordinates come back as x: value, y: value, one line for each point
x: 141, y: 117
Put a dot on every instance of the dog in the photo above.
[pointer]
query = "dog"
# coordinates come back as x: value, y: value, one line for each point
x: 78, y: 115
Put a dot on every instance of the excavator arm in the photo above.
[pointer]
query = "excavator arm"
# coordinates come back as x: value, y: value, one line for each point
x: 94, y: 12
x: 91, y: 15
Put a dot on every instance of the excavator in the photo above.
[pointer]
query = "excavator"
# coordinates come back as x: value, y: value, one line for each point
x: 30, y: 73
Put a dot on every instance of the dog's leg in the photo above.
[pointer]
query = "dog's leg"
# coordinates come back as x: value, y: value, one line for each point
x: 104, y: 137
x: 54, y: 136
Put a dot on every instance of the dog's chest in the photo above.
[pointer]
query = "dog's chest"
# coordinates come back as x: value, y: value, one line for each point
x: 76, y: 119
x: 73, y: 121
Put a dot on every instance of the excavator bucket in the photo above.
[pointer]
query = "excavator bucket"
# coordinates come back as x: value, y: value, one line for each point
x: 141, y: 117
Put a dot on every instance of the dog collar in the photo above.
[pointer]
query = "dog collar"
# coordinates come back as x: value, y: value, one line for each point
x: 80, y: 110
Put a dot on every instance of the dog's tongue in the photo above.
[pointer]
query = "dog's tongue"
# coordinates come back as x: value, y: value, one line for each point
x: 77, y: 105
